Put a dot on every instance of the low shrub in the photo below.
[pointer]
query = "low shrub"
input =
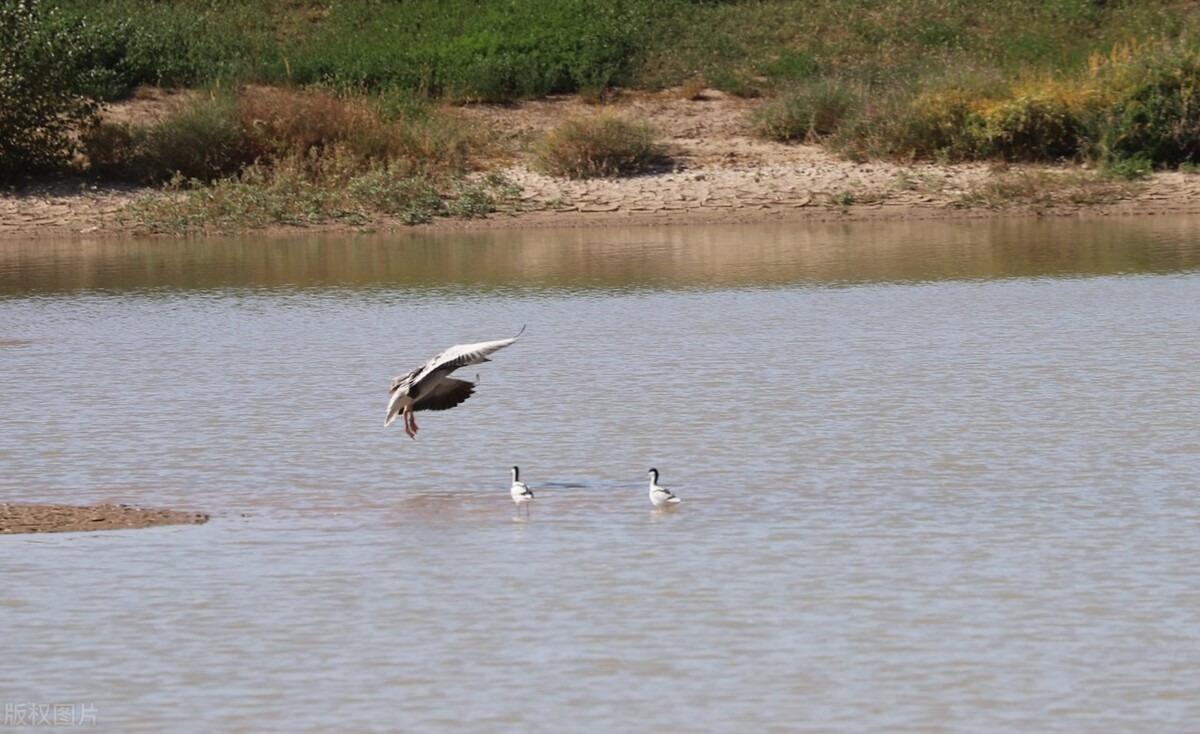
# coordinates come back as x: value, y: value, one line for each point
x: 288, y: 120
x: 389, y: 128
x: 941, y: 125
x: 291, y: 156
x: 1038, y: 126
x: 808, y: 114
x: 217, y: 135
x: 1013, y: 123
x: 602, y: 145
x: 205, y: 140
x: 1137, y: 103
x: 111, y: 151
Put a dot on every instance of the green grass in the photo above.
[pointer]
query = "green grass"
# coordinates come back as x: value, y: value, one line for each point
x: 505, y: 49
x: 453, y: 49
x: 1013, y: 80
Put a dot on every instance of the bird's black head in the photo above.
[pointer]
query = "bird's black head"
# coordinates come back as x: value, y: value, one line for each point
x: 516, y: 473
x: 653, y: 473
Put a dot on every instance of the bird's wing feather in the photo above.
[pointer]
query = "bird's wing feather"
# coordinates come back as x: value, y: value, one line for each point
x: 460, y: 355
x: 407, y: 377
x: 445, y: 395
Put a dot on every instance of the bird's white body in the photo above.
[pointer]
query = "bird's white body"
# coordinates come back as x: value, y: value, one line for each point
x: 660, y: 496
x: 430, y: 387
x: 521, y: 493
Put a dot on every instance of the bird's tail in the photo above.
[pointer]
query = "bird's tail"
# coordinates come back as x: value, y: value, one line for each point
x: 393, y: 411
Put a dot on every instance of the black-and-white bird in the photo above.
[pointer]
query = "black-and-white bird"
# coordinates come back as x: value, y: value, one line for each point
x: 660, y: 496
x: 521, y: 493
x: 430, y: 387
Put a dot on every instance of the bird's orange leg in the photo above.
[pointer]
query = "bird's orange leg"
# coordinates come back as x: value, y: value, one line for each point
x: 409, y: 427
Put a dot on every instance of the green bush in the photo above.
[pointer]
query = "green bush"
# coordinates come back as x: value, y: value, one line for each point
x: 1158, y: 118
x: 175, y: 43
x: 41, y: 89
x: 1033, y: 128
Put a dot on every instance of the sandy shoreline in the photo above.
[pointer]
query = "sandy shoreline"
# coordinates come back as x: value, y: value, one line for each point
x: 38, y: 518
x: 722, y: 174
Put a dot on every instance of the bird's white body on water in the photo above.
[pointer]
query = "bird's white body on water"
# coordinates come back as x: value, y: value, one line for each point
x: 660, y: 496
x: 521, y: 493
x: 430, y: 387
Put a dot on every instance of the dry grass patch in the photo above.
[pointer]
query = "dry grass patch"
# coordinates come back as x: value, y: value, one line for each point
x: 319, y: 188
x: 213, y: 136
x: 1044, y: 190
x: 599, y: 146
x: 293, y: 121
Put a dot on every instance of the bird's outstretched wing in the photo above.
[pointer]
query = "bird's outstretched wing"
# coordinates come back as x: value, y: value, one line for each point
x: 445, y: 395
x: 461, y: 355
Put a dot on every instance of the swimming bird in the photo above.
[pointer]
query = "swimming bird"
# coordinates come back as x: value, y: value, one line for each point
x: 430, y: 387
x: 521, y: 493
x: 660, y: 496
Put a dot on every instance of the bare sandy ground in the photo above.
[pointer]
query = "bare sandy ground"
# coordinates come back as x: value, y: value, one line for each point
x: 23, y: 518
x: 721, y: 174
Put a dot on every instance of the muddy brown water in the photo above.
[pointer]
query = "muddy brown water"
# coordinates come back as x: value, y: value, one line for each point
x: 936, y: 477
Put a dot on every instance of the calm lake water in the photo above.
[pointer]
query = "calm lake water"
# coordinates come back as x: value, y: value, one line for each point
x: 935, y: 478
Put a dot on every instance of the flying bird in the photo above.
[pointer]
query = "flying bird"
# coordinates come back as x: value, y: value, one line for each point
x: 660, y: 496
x: 430, y: 387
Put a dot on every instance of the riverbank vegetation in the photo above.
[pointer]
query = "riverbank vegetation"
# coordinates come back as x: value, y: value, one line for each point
x: 323, y: 99
x: 283, y: 155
